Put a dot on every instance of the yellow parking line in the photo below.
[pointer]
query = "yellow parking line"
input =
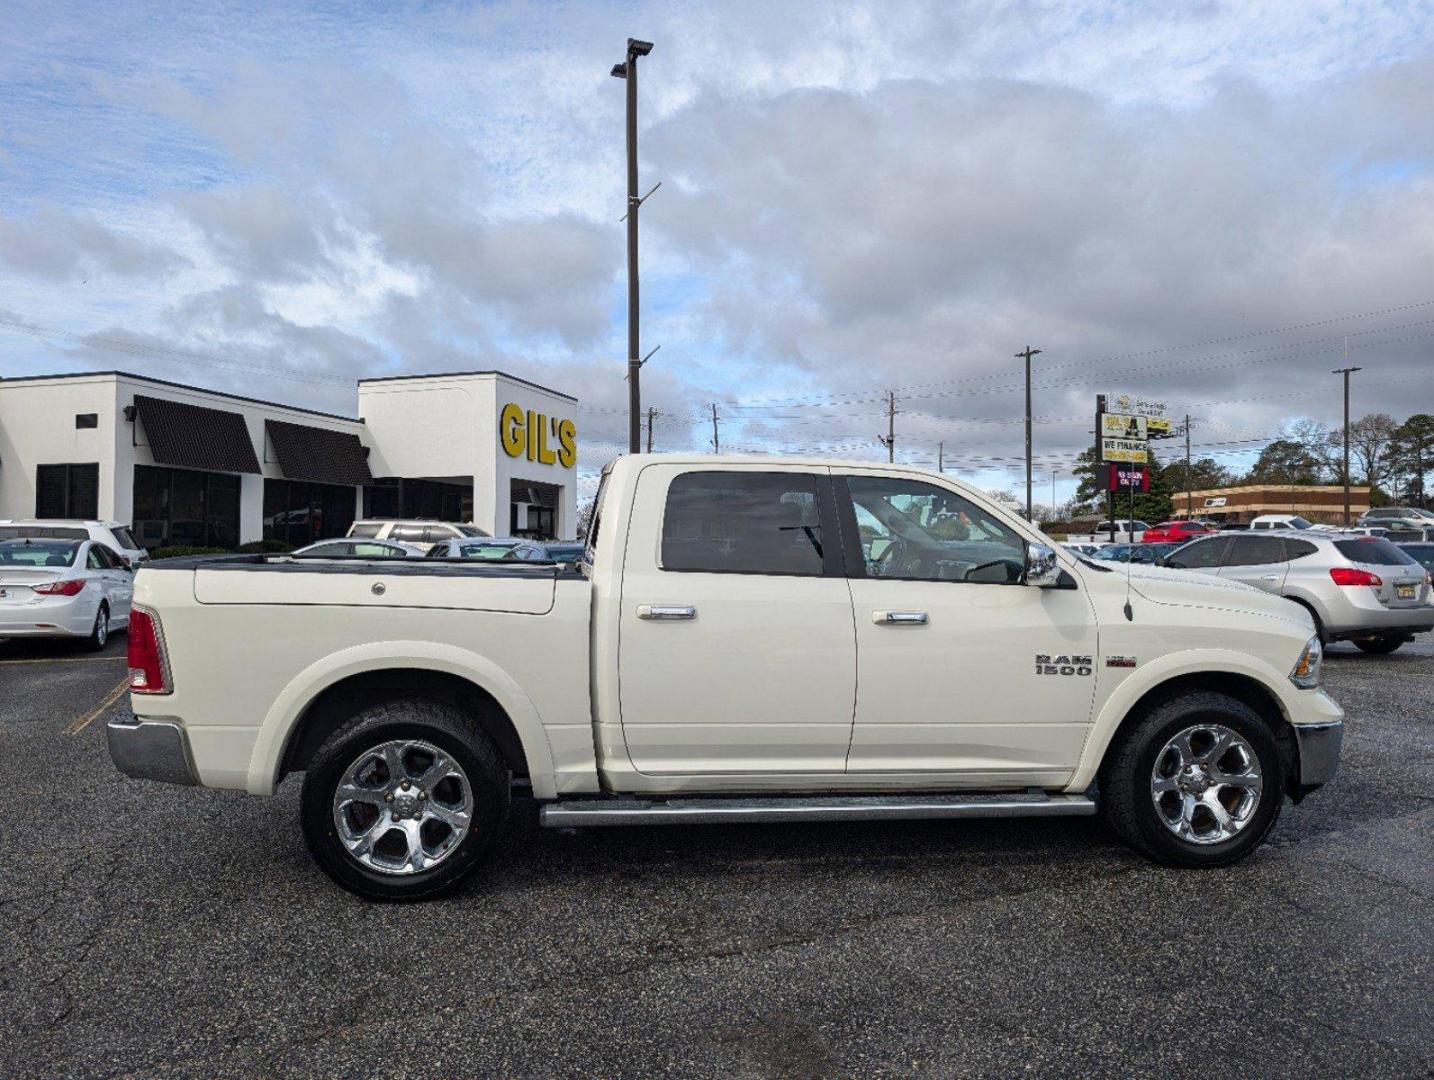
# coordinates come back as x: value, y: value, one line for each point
x: 79, y: 723
x: 65, y: 660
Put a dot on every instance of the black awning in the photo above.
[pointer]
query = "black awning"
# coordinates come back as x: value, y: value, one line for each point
x: 194, y: 437
x: 319, y: 454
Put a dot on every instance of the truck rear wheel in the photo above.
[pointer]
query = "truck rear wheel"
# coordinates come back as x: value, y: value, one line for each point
x: 1198, y: 782
x: 404, y: 800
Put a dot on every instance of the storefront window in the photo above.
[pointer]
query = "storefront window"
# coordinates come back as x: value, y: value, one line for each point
x: 298, y: 513
x: 184, y: 507
x: 67, y: 491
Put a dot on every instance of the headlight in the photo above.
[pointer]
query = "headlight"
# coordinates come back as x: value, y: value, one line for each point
x: 1306, y: 671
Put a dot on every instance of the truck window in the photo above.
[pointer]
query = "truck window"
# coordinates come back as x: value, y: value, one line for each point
x: 917, y: 531
x: 743, y: 523
x: 367, y: 530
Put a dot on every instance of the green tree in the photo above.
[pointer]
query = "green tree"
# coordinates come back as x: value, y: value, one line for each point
x: 1413, y: 454
x: 1285, y: 461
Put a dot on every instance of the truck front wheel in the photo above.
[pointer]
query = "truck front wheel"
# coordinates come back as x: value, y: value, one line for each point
x: 404, y: 800
x: 1197, y: 782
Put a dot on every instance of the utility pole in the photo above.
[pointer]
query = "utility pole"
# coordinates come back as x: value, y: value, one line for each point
x: 1102, y: 468
x: 941, y: 457
x: 716, y: 441
x: 1053, y: 493
x: 651, y: 415
x: 1029, y: 352
x: 628, y: 70
x: 1189, y: 484
x: 889, y: 439
x: 1346, y: 371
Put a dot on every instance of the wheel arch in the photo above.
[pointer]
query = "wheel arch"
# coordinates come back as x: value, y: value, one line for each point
x: 1241, y: 686
x: 319, y: 699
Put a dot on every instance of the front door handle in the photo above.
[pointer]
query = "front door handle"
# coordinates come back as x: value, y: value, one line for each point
x: 666, y: 612
x: 1269, y: 577
x: 900, y: 618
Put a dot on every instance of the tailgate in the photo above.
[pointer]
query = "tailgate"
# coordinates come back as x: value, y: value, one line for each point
x: 519, y: 590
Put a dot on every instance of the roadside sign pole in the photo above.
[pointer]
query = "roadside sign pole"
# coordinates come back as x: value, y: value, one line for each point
x: 1101, y: 466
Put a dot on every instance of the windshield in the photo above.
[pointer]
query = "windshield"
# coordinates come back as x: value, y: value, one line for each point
x: 471, y: 530
x: 38, y: 552
x: 488, y: 551
x: 1299, y: 523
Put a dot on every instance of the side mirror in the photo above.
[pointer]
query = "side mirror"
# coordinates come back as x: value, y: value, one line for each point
x: 1043, y: 570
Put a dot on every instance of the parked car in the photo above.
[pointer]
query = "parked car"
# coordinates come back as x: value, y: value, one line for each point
x: 490, y: 549
x: 53, y: 587
x: 1391, y: 517
x: 112, y: 534
x: 1266, y: 522
x: 1421, y: 552
x: 1082, y: 548
x: 364, y: 549
x: 1131, y: 553
x: 731, y: 656
x: 1357, y: 588
x: 564, y: 550
x: 1175, y: 532
x: 421, y: 534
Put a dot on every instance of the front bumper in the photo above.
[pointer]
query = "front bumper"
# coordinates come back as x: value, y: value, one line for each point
x: 154, y: 748
x: 1319, y: 746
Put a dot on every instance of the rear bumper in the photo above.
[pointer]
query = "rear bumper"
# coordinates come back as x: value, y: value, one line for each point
x: 54, y: 617
x: 1353, y: 615
x: 150, y: 749
x: 1319, y: 747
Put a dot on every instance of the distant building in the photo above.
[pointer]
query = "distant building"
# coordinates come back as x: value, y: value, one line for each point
x: 1320, y: 503
x: 185, y: 465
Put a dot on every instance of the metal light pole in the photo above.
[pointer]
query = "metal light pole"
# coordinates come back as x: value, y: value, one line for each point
x: 1346, y: 371
x: 628, y: 70
x: 1030, y: 352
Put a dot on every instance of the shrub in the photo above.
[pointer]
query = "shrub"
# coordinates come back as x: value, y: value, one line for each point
x: 180, y: 550
x: 264, y: 547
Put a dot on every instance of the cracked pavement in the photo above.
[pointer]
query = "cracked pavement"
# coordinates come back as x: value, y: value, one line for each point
x: 158, y: 931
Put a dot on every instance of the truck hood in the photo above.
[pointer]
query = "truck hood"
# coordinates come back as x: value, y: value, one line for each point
x: 1184, y: 588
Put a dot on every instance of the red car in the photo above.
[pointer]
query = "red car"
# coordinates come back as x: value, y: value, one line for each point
x: 1175, y: 532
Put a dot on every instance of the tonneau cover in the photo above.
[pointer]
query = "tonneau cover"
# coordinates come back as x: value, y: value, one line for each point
x: 396, y: 583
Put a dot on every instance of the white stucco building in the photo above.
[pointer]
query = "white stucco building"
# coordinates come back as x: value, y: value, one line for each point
x: 184, y: 465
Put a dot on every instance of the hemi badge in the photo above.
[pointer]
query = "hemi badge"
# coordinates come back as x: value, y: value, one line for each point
x: 1120, y: 661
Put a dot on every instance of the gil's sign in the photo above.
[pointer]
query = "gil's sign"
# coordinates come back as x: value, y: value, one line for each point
x: 1122, y: 438
x: 1156, y: 423
x: 544, y: 439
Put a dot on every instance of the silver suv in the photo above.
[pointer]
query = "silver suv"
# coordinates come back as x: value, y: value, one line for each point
x: 1358, y: 588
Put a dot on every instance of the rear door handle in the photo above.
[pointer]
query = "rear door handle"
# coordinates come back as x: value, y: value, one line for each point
x: 900, y: 618
x: 666, y: 612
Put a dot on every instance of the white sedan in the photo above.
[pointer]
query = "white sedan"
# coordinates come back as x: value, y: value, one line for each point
x: 62, y: 588
x: 363, y: 549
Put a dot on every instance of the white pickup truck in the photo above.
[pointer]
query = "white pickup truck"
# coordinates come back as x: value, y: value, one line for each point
x: 745, y: 640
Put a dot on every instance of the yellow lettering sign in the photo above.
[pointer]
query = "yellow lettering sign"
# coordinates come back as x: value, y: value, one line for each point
x: 531, y: 434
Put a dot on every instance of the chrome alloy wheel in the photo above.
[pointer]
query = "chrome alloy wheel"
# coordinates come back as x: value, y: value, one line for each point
x: 1206, y: 784
x: 403, y: 806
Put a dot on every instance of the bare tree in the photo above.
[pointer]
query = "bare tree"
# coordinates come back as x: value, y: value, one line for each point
x: 1324, y: 447
x: 1371, y: 442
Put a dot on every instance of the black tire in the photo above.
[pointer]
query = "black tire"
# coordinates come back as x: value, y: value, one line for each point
x: 454, y: 733
x: 100, y: 632
x: 1126, y: 793
x: 1380, y: 646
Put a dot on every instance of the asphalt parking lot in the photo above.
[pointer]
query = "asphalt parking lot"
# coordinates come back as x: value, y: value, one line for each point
x: 157, y: 931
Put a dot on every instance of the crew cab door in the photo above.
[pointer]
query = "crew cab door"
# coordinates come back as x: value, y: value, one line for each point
x: 1257, y: 560
x: 736, y: 650
x: 963, y: 671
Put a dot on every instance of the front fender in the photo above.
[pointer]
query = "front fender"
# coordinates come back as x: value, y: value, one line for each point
x: 283, y: 716
x: 1149, y: 676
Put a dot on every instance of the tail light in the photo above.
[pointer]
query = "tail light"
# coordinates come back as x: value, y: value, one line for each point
x: 148, y: 666
x: 1351, y: 575
x: 59, y: 588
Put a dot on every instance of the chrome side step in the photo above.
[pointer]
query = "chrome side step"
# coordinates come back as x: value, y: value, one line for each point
x: 585, y: 813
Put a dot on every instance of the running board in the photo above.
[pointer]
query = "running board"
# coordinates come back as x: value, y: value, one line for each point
x: 584, y: 813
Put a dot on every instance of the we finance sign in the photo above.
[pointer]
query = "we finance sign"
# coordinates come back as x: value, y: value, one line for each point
x: 548, y: 440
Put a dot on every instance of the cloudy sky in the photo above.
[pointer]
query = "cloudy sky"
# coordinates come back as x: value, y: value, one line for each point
x: 1202, y: 202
